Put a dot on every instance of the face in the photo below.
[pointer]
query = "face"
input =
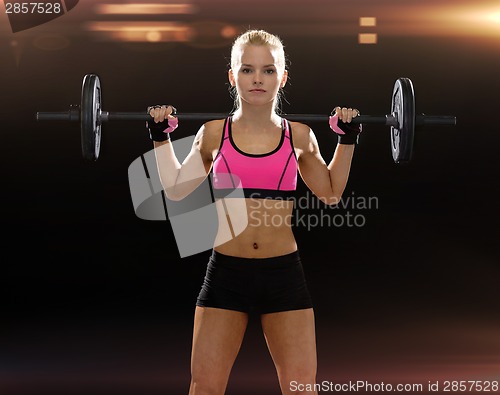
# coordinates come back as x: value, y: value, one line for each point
x: 258, y: 75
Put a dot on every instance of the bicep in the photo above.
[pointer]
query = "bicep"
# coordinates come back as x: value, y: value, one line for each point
x: 198, y: 162
x: 313, y: 168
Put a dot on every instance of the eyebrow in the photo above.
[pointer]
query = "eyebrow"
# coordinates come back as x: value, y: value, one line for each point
x: 266, y: 65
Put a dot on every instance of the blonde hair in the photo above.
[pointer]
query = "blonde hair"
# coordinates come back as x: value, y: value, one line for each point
x: 257, y: 37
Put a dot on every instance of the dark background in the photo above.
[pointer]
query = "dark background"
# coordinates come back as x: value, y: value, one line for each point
x: 96, y: 300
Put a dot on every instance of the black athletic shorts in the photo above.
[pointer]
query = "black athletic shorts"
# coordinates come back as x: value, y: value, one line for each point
x: 255, y: 285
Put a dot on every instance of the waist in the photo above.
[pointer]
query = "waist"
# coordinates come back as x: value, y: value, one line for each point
x: 255, y: 228
x: 274, y: 261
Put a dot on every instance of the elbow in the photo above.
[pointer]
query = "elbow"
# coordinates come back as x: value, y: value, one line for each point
x: 180, y: 190
x: 331, y: 200
x: 173, y: 194
x: 173, y: 198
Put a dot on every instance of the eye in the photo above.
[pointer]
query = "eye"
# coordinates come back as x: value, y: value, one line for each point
x: 270, y: 71
x: 245, y: 70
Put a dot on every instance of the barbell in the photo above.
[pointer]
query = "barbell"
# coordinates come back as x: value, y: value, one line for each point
x: 402, y: 118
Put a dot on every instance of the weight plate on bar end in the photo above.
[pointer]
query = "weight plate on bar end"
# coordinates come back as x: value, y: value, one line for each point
x: 90, y: 117
x: 403, y: 107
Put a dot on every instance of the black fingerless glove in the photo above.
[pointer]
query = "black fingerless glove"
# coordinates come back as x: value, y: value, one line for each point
x: 348, y: 132
x: 161, y: 131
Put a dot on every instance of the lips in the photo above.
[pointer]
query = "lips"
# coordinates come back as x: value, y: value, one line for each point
x: 257, y: 90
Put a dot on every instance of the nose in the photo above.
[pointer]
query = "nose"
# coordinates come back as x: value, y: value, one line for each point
x: 257, y: 79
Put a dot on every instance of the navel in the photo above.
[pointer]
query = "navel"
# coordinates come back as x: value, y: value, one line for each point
x: 255, y: 246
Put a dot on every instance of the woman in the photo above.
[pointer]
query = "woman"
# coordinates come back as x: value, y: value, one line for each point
x: 258, y: 270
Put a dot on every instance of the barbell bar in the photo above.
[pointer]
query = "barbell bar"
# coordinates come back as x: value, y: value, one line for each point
x: 402, y: 118
x: 106, y: 116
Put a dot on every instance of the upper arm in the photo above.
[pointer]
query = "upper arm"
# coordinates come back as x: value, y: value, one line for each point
x: 205, y: 144
x: 312, y: 167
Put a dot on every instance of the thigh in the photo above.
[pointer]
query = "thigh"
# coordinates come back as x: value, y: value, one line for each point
x: 291, y: 339
x: 217, y: 338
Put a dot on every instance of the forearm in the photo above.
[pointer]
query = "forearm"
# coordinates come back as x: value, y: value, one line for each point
x: 168, y: 166
x: 339, y: 169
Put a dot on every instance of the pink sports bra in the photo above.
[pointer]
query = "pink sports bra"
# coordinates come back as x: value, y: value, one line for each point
x: 272, y: 175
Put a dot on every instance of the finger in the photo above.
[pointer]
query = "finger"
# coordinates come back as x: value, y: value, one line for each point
x: 346, y: 115
x: 350, y: 114
x: 153, y: 112
x: 160, y: 113
x: 171, y: 110
x: 340, y: 112
x: 156, y: 115
x: 166, y: 111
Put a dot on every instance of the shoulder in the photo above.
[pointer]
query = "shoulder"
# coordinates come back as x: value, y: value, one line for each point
x: 210, y: 134
x: 302, y: 135
x: 208, y: 138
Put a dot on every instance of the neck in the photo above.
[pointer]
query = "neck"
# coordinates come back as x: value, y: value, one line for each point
x: 260, y: 115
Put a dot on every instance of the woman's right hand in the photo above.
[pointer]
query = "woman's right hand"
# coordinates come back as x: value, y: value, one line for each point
x: 163, y: 122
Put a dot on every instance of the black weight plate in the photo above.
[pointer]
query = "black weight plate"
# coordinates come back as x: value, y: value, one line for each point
x: 90, y: 117
x: 403, y: 108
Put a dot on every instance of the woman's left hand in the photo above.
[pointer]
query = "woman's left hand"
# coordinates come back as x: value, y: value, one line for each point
x: 341, y: 124
x: 346, y: 114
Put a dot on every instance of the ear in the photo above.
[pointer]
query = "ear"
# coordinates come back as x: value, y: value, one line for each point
x: 230, y: 76
x: 284, y: 79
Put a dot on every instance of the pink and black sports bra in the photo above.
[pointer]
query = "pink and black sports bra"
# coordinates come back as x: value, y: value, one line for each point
x: 272, y: 175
